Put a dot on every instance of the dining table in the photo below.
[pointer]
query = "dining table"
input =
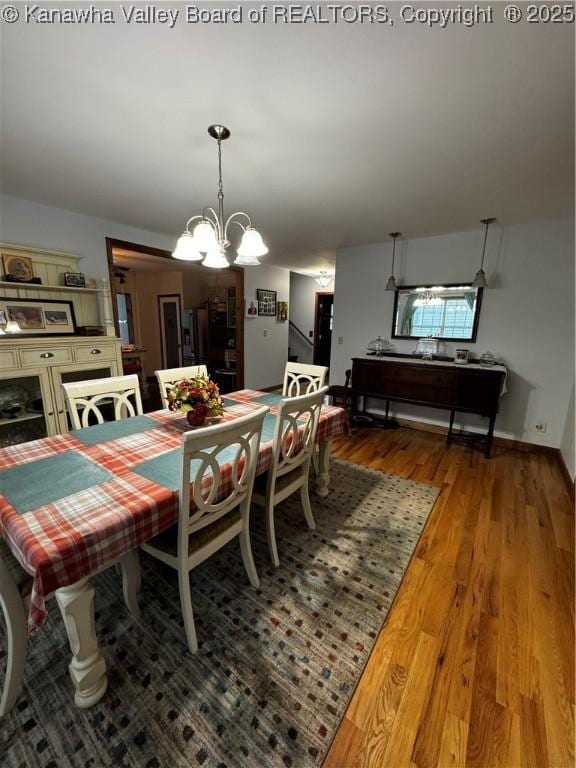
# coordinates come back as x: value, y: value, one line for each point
x: 74, y: 504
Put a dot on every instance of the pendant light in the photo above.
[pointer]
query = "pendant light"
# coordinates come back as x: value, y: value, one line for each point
x: 209, y: 241
x: 391, y: 284
x: 324, y: 279
x: 480, y: 279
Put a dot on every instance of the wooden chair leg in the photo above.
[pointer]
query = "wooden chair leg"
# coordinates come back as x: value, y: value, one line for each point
x: 130, y: 569
x: 247, y: 557
x: 271, y: 533
x: 15, y: 617
x: 188, y: 615
x: 305, y: 498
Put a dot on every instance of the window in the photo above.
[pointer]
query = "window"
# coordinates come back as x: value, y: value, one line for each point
x: 450, y: 318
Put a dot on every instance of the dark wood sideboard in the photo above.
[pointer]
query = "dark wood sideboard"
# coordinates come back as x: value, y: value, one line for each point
x: 447, y: 386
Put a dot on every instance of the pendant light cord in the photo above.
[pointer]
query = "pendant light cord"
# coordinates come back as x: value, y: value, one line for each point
x: 487, y: 224
x: 220, y: 188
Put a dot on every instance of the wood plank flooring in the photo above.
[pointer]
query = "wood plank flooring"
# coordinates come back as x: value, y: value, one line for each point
x: 475, y: 664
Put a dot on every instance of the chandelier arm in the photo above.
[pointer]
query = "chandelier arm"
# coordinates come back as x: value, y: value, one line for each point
x: 213, y: 219
x: 232, y: 216
x: 191, y: 219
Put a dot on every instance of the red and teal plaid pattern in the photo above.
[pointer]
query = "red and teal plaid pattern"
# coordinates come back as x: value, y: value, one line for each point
x: 64, y: 540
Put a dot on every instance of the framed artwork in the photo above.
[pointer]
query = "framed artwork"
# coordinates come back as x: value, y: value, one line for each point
x: 19, y: 268
x: 266, y: 302
x: 36, y: 317
x: 282, y: 310
x: 74, y: 280
x: 251, y: 309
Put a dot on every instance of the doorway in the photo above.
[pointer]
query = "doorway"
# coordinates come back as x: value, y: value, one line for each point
x: 170, y: 316
x: 323, y: 323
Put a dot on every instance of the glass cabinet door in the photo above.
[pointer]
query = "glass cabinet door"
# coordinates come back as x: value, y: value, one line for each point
x: 26, y: 407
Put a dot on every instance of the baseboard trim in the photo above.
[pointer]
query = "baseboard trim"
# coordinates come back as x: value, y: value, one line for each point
x: 568, y: 480
x: 503, y: 442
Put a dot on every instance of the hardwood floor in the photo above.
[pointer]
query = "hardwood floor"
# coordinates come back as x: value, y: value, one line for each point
x: 475, y: 663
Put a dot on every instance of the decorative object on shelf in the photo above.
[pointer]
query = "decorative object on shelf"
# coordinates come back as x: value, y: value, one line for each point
x: 488, y: 359
x: 480, y: 279
x: 18, y: 269
x: 251, y: 309
x: 462, y: 356
x: 90, y: 330
x: 209, y: 240
x: 282, y: 310
x: 378, y: 347
x: 427, y: 348
x: 391, y: 284
x: 197, y: 397
x: 74, y: 280
x: 266, y: 302
x: 324, y: 279
x: 36, y: 317
x: 14, y: 401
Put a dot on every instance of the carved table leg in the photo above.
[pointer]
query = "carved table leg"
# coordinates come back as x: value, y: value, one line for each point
x: 322, y: 470
x: 87, y: 668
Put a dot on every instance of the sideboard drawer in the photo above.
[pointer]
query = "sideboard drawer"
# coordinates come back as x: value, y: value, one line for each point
x: 95, y: 351
x: 43, y: 356
x: 8, y: 359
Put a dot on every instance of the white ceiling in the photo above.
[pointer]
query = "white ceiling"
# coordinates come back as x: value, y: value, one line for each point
x: 340, y: 133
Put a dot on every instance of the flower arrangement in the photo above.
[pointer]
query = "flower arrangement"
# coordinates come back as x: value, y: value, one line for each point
x: 197, y: 397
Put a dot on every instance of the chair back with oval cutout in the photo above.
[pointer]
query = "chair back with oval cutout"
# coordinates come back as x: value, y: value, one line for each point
x: 295, y: 433
x: 302, y: 379
x: 86, y: 398
x: 220, y: 461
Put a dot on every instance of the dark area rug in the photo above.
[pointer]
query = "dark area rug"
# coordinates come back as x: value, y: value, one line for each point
x: 276, y: 667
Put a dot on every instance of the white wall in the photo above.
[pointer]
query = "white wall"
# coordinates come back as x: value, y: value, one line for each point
x: 567, y: 445
x: 303, y: 291
x: 265, y: 356
x: 27, y: 223
x: 527, y: 315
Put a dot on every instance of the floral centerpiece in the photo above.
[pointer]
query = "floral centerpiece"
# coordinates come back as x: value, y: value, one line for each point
x: 197, y: 397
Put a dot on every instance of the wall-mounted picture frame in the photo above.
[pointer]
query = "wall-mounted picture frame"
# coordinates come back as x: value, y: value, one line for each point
x: 74, y: 280
x: 36, y: 317
x: 18, y: 269
x: 282, y: 310
x: 266, y: 302
x: 251, y: 309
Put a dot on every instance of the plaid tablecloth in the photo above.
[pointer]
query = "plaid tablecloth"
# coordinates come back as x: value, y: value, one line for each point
x: 70, y: 504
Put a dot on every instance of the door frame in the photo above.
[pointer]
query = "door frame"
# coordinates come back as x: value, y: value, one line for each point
x: 178, y: 300
x: 148, y: 250
x: 316, y: 318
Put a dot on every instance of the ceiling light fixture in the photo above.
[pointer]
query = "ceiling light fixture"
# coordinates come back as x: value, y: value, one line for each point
x: 391, y: 284
x: 480, y: 279
x: 324, y: 279
x: 209, y: 240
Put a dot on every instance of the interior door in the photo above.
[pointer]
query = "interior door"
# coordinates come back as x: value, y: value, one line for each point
x: 170, y: 311
x: 323, y: 328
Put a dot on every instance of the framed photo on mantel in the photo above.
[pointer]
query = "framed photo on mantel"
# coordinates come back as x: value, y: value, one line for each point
x: 36, y: 317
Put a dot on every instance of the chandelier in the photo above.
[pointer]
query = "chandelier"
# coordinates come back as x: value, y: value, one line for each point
x: 324, y: 279
x: 209, y: 239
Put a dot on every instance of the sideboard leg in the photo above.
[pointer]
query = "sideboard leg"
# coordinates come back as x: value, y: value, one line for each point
x: 323, y: 472
x: 449, y: 435
x: 490, y: 437
x: 87, y: 668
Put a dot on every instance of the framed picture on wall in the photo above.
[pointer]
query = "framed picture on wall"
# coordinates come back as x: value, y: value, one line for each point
x: 266, y: 302
x: 282, y: 310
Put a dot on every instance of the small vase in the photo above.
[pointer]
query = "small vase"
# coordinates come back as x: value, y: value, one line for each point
x: 197, y: 416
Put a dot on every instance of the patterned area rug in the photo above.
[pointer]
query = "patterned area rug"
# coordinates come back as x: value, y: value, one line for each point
x: 276, y: 667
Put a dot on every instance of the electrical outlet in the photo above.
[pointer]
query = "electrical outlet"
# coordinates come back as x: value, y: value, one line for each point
x: 340, y: 339
x: 541, y: 426
x: 265, y: 332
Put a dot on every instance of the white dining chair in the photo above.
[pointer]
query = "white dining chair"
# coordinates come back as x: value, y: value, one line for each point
x: 292, y: 449
x: 169, y: 376
x: 302, y: 379
x: 15, y: 590
x: 84, y: 398
x: 216, y: 509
